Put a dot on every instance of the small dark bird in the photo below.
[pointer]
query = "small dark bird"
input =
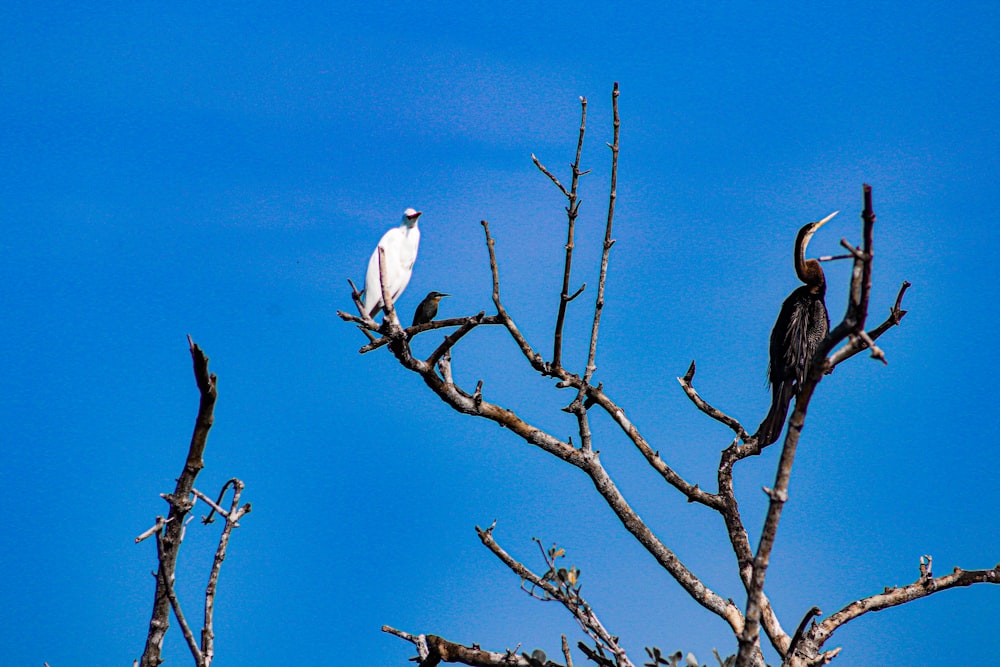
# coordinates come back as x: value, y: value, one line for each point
x: 801, y: 326
x: 428, y: 308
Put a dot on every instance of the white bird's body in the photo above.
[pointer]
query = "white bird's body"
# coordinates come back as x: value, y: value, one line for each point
x: 400, y: 245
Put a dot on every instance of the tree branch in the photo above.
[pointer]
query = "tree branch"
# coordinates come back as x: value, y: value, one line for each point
x: 701, y: 404
x: 563, y: 589
x: 169, y: 539
x: 924, y: 586
x: 175, y: 604
x: 533, y: 357
x: 572, y: 210
x: 854, y: 321
x: 608, y: 241
x: 433, y: 650
x: 232, y: 518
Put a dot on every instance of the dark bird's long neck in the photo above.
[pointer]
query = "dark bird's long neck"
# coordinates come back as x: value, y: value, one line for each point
x: 809, y: 271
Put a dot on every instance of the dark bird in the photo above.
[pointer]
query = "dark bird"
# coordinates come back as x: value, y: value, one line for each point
x: 428, y: 308
x: 802, y: 324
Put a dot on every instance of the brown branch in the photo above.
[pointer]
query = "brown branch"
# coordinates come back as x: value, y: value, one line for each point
x: 586, y: 460
x: 565, y: 595
x: 175, y: 604
x: 608, y: 242
x: 566, y: 654
x: 691, y: 491
x: 157, y: 527
x: 572, y: 210
x: 412, y: 331
x: 854, y: 321
x: 541, y: 167
x: 726, y: 504
x: 854, y: 346
x: 173, y: 532
x: 390, y: 321
x: 450, y: 341
x: 433, y: 650
x: 232, y: 517
x: 714, y: 413
x: 533, y: 357
x: 924, y: 586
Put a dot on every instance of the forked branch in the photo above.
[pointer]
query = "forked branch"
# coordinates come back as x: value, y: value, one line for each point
x: 572, y: 210
x: 853, y: 322
x: 169, y: 533
x: 561, y: 585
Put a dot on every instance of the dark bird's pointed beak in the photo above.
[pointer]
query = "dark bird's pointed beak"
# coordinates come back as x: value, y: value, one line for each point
x: 815, y: 226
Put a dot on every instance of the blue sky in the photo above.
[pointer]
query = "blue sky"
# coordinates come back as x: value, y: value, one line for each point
x: 220, y: 172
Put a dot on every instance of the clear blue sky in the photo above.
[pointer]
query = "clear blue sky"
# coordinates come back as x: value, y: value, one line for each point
x: 168, y: 169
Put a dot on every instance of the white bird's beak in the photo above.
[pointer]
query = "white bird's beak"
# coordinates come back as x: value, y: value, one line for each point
x: 414, y: 216
x: 826, y: 219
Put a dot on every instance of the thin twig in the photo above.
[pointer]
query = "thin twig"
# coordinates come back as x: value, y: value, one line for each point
x: 856, y: 345
x: 608, y: 241
x: 450, y: 341
x: 572, y: 210
x: 566, y: 654
x: 390, y: 321
x: 157, y: 527
x: 566, y: 595
x: 703, y: 405
x: 232, y: 517
x: 533, y: 357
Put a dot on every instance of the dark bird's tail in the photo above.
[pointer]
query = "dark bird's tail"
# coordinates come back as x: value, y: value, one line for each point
x: 770, y: 428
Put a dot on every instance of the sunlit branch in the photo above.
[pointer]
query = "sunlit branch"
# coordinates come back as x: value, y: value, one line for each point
x: 572, y: 210
x: 854, y: 320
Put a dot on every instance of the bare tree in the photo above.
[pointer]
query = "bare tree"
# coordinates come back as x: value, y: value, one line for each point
x: 169, y: 532
x: 807, y: 645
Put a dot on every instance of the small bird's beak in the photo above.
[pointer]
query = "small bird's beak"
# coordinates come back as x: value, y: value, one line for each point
x: 441, y: 296
x: 414, y: 216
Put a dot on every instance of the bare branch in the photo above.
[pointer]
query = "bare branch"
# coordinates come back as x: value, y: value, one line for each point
x: 800, y: 631
x: 853, y: 322
x: 232, y: 517
x: 924, y: 585
x: 851, y: 348
x: 691, y: 491
x: 449, y: 341
x: 412, y: 331
x: 529, y: 353
x: 390, y: 321
x: 608, y: 242
x: 157, y: 527
x: 541, y: 167
x: 169, y: 539
x: 167, y: 582
x: 565, y: 592
x: 572, y: 211
x: 566, y: 654
x: 433, y: 650
x: 717, y: 415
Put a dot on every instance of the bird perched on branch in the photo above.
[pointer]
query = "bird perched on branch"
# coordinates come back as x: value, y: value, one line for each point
x: 400, y: 245
x: 801, y: 325
x: 428, y: 308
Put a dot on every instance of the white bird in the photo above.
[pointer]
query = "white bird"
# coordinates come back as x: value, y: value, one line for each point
x: 400, y: 245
